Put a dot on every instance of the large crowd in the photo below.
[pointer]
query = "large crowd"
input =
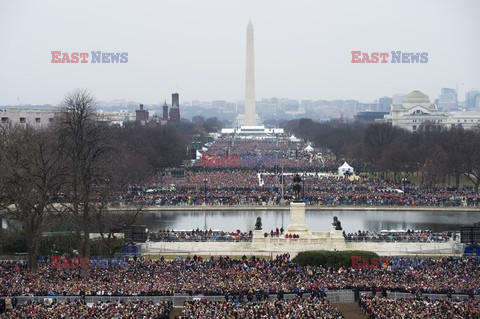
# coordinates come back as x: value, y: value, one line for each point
x: 279, y: 309
x: 425, y: 236
x: 241, y: 281
x: 287, y: 153
x: 200, y: 235
x: 223, y: 276
x: 51, y: 309
x: 246, y: 187
x: 250, y: 288
x: 382, y: 308
x: 223, y: 183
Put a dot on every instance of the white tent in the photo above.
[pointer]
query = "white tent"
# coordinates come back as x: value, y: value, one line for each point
x: 294, y: 139
x: 344, y: 169
x: 309, y: 149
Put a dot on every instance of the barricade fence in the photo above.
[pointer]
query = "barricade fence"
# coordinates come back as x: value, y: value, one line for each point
x: 406, y: 295
x: 334, y: 296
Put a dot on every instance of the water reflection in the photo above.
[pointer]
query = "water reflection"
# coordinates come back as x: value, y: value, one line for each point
x: 316, y: 220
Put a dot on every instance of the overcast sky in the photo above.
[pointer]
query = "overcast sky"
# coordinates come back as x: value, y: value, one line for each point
x: 197, y: 48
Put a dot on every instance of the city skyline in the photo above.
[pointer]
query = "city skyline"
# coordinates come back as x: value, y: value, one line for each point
x: 303, y: 49
x: 240, y: 102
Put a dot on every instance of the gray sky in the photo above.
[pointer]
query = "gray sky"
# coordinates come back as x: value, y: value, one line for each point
x: 197, y: 47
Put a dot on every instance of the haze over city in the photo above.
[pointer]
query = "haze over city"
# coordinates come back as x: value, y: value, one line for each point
x: 185, y: 159
x: 302, y: 49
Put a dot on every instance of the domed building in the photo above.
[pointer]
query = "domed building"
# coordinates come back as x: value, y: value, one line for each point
x: 416, y: 98
x: 417, y: 110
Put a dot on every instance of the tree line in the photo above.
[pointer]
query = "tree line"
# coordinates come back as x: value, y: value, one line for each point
x: 436, y: 152
x: 74, y: 167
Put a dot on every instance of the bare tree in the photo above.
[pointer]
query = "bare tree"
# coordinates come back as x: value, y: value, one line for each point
x: 86, y: 143
x: 471, y: 151
x: 31, y: 181
x: 377, y: 139
x: 436, y: 166
x: 453, y: 142
x: 398, y: 158
x: 148, y: 149
x: 109, y: 223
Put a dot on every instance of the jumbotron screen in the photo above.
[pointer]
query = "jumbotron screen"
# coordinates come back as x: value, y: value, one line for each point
x: 470, y: 234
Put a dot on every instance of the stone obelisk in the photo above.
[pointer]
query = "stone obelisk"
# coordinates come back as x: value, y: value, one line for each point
x: 250, y: 114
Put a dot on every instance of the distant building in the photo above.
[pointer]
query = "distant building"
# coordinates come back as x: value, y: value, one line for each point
x: 42, y: 118
x: 37, y: 118
x: 448, y: 99
x: 397, y: 99
x: 141, y: 116
x: 257, y: 131
x: 114, y: 118
x: 219, y: 104
x: 384, y: 104
x: 363, y: 107
x: 165, y: 112
x: 168, y: 116
x: 472, y: 99
x: 416, y: 110
x: 175, y: 109
x: 369, y: 116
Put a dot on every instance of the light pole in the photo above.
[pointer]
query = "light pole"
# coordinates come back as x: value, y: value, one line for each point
x: 282, y: 177
x: 205, y: 181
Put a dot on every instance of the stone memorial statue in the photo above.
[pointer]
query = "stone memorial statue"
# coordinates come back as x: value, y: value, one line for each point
x: 336, y: 223
x: 258, y: 224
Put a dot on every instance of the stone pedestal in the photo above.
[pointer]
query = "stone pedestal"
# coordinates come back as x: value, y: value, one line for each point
x: 258, y: 234
x: 336, y: 241
x: 297, y: 221
x: 259, y: 242
x: 336, y: 234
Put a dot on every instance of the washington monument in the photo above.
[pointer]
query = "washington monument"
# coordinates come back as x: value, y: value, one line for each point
x: 250, y: 114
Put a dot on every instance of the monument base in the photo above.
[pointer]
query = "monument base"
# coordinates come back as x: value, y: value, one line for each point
x: 258, y: 234
x: 297, y: 224
x: 336, y: 234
